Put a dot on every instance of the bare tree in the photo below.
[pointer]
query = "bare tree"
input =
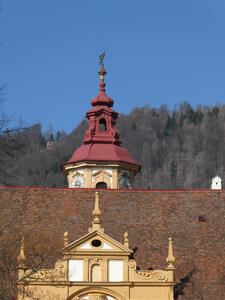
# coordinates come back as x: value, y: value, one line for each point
x: 40, y: 251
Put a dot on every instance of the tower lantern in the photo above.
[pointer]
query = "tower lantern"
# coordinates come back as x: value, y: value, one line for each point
x: 101, y: 162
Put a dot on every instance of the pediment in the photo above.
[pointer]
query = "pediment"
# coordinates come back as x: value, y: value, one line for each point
x: 77, y: 173
x: 95, y: 174
x: 96, y: 241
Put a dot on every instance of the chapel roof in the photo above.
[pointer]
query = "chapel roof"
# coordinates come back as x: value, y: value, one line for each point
x: 102, y: 152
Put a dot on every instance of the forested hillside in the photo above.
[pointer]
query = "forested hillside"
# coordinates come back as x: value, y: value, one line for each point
x: 179, y: 149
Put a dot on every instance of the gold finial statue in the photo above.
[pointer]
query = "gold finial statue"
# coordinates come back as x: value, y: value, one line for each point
x: 126, y: 240
x: 96, y: 224
x: 101, y: 58
x: 170, y: 258
x: 102, y: 71
x: 22, y: 257
x: 65, y: 239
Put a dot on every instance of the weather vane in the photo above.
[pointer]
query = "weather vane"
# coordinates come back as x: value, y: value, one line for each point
x: 101, y: 58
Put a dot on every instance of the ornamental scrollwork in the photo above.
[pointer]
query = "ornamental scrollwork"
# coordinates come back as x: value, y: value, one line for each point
x: 132, y: 264
x: 48, y: 274
x: 155, y: 276
x: 60, y: 270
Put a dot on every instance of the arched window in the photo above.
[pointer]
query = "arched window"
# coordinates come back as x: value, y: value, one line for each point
x: 101, y: 185
x: 102, y: 125
x: 96, y: 273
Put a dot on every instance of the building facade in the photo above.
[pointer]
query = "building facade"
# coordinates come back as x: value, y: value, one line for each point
x: 96, y: 267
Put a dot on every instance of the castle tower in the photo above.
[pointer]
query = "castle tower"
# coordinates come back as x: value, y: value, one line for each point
x: 101, y: 162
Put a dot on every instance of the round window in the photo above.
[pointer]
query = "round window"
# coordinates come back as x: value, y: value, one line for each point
x: 96, y: 243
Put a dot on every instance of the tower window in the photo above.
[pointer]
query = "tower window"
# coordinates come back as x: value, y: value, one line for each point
x: 101, y: 185
x: 102, y: 125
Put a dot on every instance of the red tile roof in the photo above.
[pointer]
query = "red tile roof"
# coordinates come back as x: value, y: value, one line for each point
x: 150, y: 217
x: 102, y: 152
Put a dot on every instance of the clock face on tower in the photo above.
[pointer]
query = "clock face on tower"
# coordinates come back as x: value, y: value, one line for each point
x: 124, y: 182
x: 78, y: 182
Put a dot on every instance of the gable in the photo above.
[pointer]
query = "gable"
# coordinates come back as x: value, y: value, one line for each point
x: 96, y: 242
x: 102, y: 171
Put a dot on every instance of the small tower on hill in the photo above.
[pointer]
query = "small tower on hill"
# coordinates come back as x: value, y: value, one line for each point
x: 101, y: 162
x: 216, y: 183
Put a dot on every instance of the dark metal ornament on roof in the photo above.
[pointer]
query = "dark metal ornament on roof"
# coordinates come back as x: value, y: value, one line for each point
x: 101, y: 58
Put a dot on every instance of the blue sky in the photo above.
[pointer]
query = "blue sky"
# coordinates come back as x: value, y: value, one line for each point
x: 157, y: 51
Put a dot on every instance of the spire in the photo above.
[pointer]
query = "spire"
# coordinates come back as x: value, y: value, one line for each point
x: 102, y: 72
x: 96, y: 224
x: 170, y: 258
x: 65, y: 239
x: 126, y: 240
x: 22, y: 257
x: 102, y: 98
